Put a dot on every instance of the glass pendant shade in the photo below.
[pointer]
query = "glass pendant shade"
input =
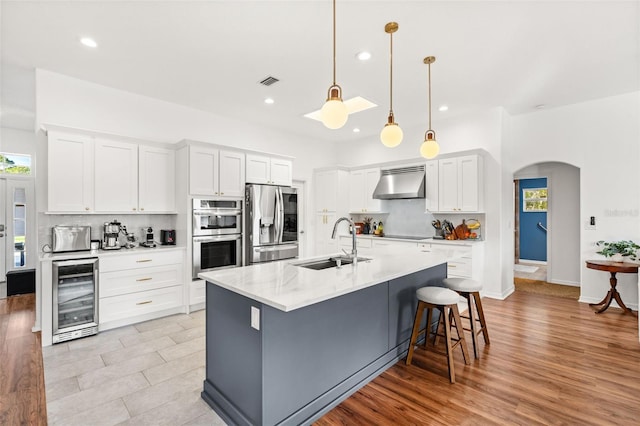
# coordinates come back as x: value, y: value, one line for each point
x: 334, y: 113
x: 430, y: 148
x: 391, y: 135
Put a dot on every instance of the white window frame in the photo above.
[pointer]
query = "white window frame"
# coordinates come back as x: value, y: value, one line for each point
x: 525, y: 200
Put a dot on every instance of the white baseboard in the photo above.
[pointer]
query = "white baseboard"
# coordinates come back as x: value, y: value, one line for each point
x: 563, y: 282
x: 535, y: 262
x: 499, y: 296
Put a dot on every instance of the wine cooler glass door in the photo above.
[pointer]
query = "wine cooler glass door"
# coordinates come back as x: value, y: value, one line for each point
x: 75, y: 294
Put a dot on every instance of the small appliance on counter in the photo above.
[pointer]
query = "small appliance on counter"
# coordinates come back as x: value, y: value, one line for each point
x: 147, y: 234
x: 111, y: 234
x: 70, y: 238
x: 168, y: 237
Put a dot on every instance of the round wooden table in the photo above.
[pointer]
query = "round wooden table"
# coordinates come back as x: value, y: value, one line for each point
x: 613, y: 268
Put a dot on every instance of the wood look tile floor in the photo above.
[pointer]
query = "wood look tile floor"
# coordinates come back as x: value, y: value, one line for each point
x: 149, y: 373
x: 551, y: 361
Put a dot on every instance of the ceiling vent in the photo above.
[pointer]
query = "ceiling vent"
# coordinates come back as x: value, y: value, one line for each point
x: 269, y: 81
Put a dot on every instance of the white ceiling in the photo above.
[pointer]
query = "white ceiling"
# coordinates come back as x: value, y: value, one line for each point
x: 211, y: 55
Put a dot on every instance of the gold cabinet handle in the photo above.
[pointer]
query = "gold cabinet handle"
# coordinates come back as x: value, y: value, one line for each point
x: 144, y: 260
x: 86, y: 208
x: 452, y: 266
x: 141, y: 209
x: 144, y: 279
x: 146, y: 302
x: 222, y: 193
x: 134, y: 209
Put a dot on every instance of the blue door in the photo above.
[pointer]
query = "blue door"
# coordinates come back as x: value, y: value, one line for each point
x: 533, y: 219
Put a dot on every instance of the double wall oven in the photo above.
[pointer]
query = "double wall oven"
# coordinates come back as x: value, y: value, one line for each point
x: 217, y: 234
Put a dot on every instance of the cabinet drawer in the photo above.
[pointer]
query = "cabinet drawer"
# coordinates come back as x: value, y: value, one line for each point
x: 140, y: 303
x: 459, y: 268
x: 140, y: 260
x: 142, y: 279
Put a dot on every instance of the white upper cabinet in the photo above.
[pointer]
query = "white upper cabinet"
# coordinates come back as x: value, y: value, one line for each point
x: 156, y: 179
x: 431, y: 186
x: 330, y: 188
x: 232, y: 174
x: 203, y: 171
x: 116, y: 176
x: 362, y: 183
x: 70, y: 163
x: 460, y: 183
x: 216, y: 172
x: 267, y: 170
x: 99, y: 174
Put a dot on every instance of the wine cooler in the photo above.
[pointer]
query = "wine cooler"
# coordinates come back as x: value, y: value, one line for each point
x: 75, y: 299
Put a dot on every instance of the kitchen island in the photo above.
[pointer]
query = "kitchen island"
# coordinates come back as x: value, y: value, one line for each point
x: 285, y: 343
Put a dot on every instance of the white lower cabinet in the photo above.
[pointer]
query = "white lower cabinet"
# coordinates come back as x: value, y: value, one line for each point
x: 127, y: 306
x: 465, y: 260
x: 139, y: 287
x: 197, y: 292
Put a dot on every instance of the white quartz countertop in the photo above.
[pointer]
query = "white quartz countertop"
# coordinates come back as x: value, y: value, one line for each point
x: 287, y: 287
x: 102, y: 253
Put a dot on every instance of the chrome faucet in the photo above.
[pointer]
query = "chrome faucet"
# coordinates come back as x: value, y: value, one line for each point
x: 354, y: 250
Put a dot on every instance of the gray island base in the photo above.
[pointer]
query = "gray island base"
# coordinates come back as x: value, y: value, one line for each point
x: 302, y: 363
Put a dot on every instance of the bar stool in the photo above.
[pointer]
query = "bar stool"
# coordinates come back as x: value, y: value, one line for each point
x: 445, y: 301
x: 470, y: 289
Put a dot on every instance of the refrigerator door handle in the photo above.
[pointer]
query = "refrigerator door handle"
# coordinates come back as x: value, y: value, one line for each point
x: 280, y: 215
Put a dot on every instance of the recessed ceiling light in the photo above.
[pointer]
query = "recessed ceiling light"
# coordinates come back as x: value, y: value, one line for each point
x: 89, y: 42
x: 269, y: 101
x: 356, y: 130
x: 363, y: 56
x: 443, y: 108
x: 355, y: 104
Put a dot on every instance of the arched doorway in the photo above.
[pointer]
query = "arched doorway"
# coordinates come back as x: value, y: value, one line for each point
x: 547, y: 223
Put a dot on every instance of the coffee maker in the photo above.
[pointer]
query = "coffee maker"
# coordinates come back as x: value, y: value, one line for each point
x: 111, y: 234
x: 147, y: 236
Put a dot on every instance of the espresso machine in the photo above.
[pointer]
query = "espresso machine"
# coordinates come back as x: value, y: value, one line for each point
x: 147, y: 237
x: 111, y: 234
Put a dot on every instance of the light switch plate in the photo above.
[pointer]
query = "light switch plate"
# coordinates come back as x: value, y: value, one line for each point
x: 255, y: 318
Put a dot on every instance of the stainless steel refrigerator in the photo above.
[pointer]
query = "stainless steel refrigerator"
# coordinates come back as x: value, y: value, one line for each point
x: 271, y: 215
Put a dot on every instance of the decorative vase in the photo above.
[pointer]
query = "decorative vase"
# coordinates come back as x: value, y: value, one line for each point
x: 617, y: 257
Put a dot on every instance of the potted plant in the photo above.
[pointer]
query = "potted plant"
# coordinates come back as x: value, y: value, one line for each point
x: 618, y: 251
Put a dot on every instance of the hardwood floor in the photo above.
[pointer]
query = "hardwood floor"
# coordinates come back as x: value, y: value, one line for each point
x: 22, y: 394
x: 551, y: 361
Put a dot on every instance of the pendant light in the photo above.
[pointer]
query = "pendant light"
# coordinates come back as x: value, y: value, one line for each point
x: 429, y: 148
x: 391, y: 134
x: 334, y: 112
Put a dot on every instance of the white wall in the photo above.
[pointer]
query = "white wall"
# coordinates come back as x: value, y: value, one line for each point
x: 563, y: 237
x: 600, y: 137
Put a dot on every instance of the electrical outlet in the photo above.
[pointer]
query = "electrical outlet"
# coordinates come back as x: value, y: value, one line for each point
x: 255, y: 318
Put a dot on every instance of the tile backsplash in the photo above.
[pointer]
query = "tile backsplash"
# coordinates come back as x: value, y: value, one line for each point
x: 134, y: 223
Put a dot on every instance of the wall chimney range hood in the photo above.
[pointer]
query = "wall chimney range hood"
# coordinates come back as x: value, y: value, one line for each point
x: 405, y: 182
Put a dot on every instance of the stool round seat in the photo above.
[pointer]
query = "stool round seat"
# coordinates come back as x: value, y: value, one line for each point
x: 437, y: 295
x: 462, y: 284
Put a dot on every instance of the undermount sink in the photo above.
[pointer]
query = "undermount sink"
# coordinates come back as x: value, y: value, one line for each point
x: 332, y: 262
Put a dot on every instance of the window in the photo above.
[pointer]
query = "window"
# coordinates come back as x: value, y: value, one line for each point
x: 19, y: 226
x: 15, y: 164
x: 534, y: 200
